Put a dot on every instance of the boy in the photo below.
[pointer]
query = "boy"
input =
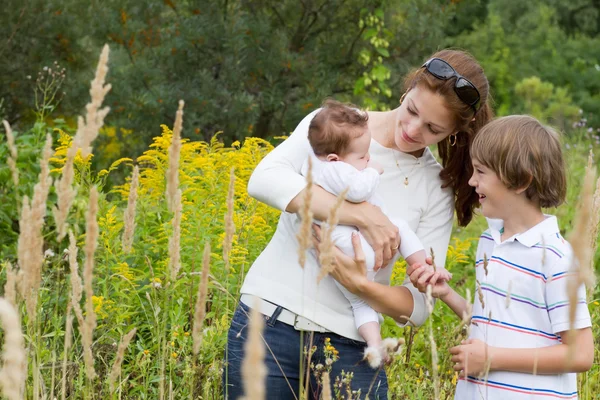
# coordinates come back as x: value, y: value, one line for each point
x: 520, y: 322
x: 340, y: 139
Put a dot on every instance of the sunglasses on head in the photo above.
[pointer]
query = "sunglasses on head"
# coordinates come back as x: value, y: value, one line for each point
x: 465, y: 90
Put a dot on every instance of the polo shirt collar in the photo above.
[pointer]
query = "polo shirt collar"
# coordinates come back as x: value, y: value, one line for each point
x: 529, y: 238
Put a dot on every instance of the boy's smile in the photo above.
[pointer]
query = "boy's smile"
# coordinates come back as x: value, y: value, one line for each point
x: 495, y: 198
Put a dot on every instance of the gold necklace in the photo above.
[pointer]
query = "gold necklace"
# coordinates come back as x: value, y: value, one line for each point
x: 401, y: 170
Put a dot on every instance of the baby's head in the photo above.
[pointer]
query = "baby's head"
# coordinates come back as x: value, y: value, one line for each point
x: 525, y: 156
x: 339, y: 132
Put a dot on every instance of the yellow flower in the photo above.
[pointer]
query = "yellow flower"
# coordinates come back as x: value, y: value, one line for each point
x: 596, y: 303
x: 146, y: 352
x: 175, y: 334
x: 186, y: 334
x: 174, y: 355
x: 172, y: 343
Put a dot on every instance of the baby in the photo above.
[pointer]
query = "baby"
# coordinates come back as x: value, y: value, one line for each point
x: 340, y: 140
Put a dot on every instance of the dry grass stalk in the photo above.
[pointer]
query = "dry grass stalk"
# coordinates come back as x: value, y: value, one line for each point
x: 229, y: 225
x: 508, y: 293
x: 480, y: 294
x: 582, y: 271
x: 175, y: 240
x: 326, y: 384
x: 254, y: 370
x: 91, y: 242
x: 116, y: 368
x: 174, y: 152
x: 200, y: 310
x: 434, y: 354
x: 31, y: 240
x: 129, y: 217
x: 67, y: 346
x: 76, y: 284
x: 485, y: 264
x: 326, y: 246
x: 10, y: 287
x: 433, y: 259
x: 12, y: 374
x: 304, y: 235
x: 87, y: 131
x: 12, y: 158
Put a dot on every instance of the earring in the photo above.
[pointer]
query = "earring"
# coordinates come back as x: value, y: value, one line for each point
x: 402, y: 98
x: 453, y: 139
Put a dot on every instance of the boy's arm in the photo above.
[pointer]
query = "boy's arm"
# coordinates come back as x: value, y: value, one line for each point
x: 474, y: 355
x: 362, y: 184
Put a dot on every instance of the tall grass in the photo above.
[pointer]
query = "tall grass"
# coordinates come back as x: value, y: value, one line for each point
x: 157, y: 308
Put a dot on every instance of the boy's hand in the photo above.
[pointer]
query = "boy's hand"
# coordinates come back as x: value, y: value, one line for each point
x: 375, y: 165
x: 471, y: 357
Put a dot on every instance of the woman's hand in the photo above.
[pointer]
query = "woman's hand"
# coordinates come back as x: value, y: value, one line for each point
x: 472, y: 357
x: 380, y: 233
x: 350, y: 272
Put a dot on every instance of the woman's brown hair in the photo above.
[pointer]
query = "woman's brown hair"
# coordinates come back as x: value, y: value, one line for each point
x: 456, y: 159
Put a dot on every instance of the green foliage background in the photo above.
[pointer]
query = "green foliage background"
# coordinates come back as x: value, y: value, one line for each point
x: 251, y: 69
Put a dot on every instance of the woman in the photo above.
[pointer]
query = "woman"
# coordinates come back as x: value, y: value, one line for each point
x: 445, y: 103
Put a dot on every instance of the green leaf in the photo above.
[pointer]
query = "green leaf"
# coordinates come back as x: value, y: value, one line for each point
x: 383, y: 51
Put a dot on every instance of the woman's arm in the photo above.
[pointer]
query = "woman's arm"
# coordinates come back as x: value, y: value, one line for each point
x: 395, y: 301
x: 475, y: 355
x: 277, y: 181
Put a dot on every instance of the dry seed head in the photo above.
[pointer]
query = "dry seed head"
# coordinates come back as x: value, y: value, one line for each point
x: 229, y: 225
x: 485, y: 264
x: 174, y: 152
x: 175, y: 240
x: 254, y: 370
x: 87, y: 130
x: 10, y: 289
x: 116, y: 368
x: 129, y: 217
x: 326, y: 246
x: 583, y: 227
x: 304, y: 235
x: 480, y: 294
x: 433, y: 259
x: 200, y: 310
x: 31, y: 240
x: 12, y: 374
x: 12, y: 158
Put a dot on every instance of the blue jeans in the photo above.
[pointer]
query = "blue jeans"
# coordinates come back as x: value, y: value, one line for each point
x: 285, y: 347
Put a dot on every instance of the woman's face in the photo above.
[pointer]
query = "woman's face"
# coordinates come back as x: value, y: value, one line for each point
x: 422, y: 120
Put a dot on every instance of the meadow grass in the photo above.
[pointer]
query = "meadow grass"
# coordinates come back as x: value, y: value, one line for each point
x: 157, y: 308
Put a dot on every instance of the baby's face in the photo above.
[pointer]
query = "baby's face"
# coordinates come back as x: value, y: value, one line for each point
x: 358, y: 154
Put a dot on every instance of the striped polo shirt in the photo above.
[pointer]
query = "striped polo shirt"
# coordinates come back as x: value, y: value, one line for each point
x: 523, y: 283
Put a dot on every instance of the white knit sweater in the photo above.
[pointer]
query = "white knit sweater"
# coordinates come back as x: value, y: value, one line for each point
x: 276, y: 275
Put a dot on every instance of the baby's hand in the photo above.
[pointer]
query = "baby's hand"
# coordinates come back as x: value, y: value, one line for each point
x: 375, y: 165
x: 423, y: 275
x: 444, y: 274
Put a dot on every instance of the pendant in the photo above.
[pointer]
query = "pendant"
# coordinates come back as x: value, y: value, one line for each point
x: 406, y: 181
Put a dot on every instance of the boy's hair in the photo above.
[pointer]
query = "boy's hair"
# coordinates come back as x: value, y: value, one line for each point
x: 524, y: 153
x: 334, y: 127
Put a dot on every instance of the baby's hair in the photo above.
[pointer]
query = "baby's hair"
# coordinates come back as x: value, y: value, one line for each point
x: 334, y: 126
x: 524, y: 153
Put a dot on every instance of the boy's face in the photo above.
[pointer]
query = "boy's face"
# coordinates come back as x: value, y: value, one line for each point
x: 495, y: 198
x: 358, y: 151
